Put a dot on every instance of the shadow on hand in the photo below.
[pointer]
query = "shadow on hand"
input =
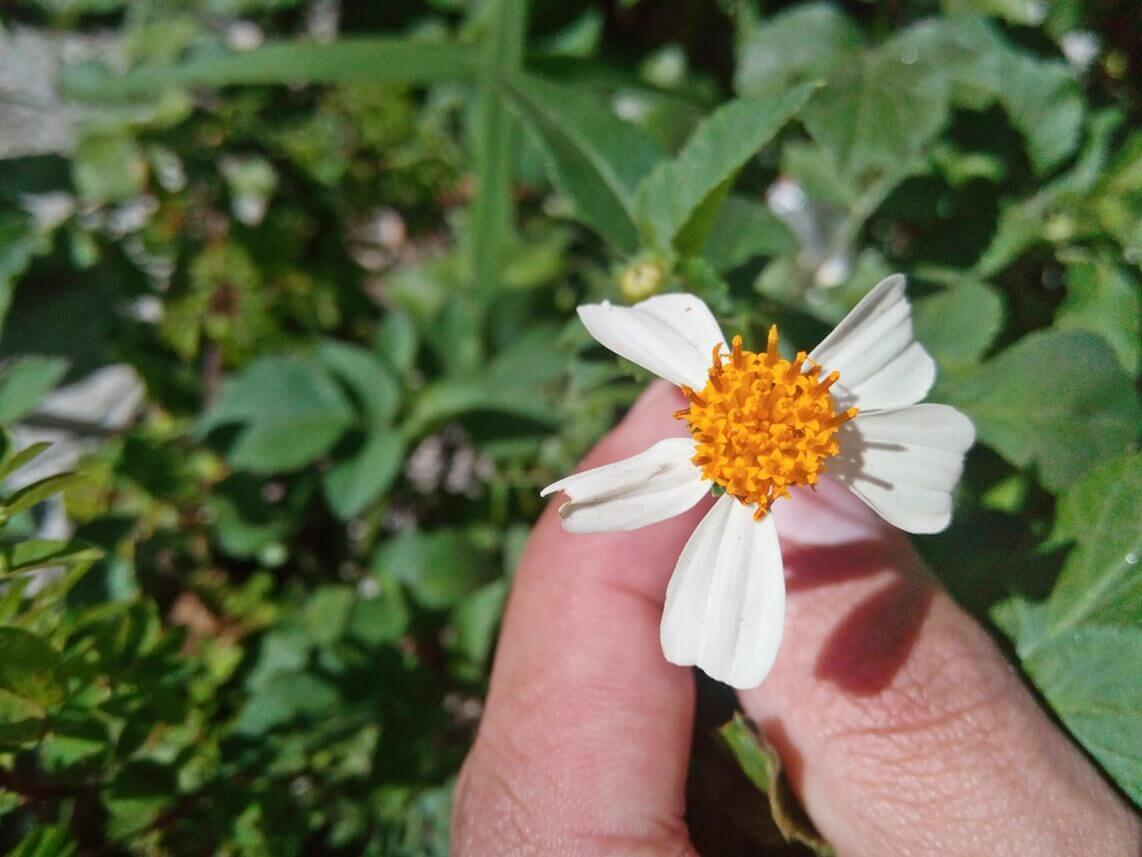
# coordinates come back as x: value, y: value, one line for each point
x: 872, y: 642
x: 870, y: 645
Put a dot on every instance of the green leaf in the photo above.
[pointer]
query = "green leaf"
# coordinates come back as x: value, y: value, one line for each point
x: 137, y: 796
x: 381, y: 617
x: 1057, y: 399
x: 325, y: 615
x: 369, y: 380
x: 350, y: 60
x: 958, y: 324
x: 1083, y: 645
x: 14, y: 462
x: 1027, y: 13
x: 1041, y: 97
x: 446, y: 400
x: 1044, y: 101
x: 1020, y: 228
x: 440, y: 568
x: 761, y: 764
x: 1102, y: 297
x: 1090, y: 679
x: 290, y: 411
x: 744, y: 229
x: 24, y: 382
x: 880, y: 110
x: 670, y: 198
x: 286, y: 698
x: 496, y: 148
x: 21, y: 720
x: 594, y: 158
x: 474, y: 621
x: 366, y: 472
x: 30, y: 554
x: 45, y: 841
x: 246, y: 522
x: 108, y: 167
x: 803, y: 44
x: 1118, y: 197
x: 37, y: 492
x: 30, y: 668
x: 396, y: 341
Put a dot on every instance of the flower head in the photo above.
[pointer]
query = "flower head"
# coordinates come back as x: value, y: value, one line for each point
x: 760, y: 426
x: 762, y: 423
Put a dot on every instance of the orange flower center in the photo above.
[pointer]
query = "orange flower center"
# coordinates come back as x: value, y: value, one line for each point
x: 763, y: 423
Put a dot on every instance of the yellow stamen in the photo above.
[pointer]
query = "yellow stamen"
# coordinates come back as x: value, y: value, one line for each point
x: 762, y: 424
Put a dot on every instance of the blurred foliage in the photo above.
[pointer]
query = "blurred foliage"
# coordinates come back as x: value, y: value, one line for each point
x: 339, y: 247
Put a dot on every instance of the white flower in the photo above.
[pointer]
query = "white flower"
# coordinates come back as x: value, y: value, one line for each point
x: 761, y: 425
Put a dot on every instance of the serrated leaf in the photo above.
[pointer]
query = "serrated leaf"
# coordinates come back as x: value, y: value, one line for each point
x: 1044, y: 102
x: 802, y: 44
x: 882, y: 109
x: 366, y: 472
x: 1056, y: 399
x: 1083, y: 645
x: 285, y: 698
x: 369, y: 380
x: 672, y: 196
x: 594, y: 158
x: 1102, y: 297
x: 958, y: 324
x: 440, y: 567
x: 290, y: 412
x: 1041, y: 97
x: 24, y: 381
x: 1090, y: 679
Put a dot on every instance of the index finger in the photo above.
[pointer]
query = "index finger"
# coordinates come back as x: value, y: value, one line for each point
x: 586, y: 733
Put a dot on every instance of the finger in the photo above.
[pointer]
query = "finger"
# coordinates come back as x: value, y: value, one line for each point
x: 903, y: 727
x: 584, y: 743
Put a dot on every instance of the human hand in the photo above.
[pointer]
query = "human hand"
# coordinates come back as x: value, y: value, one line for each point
x: 901, y: 726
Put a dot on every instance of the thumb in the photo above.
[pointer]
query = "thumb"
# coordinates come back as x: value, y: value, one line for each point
x: 903, y: 727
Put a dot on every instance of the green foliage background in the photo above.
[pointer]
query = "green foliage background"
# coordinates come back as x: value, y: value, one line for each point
x: 340, y: 247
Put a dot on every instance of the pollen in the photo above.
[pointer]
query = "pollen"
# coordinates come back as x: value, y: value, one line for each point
x: 763, y: 423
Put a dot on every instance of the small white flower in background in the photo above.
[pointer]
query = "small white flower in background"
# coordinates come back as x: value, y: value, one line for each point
x: 761, y: 425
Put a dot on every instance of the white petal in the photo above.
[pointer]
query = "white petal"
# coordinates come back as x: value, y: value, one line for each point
x: 881, y: 363
x: 654, y: 485
x: 690, y: 316
x: 670, y: 335
x: 725, y: 605
x: 905, y: 463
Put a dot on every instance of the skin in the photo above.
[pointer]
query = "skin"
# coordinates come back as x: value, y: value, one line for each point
x: 902, y: 727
